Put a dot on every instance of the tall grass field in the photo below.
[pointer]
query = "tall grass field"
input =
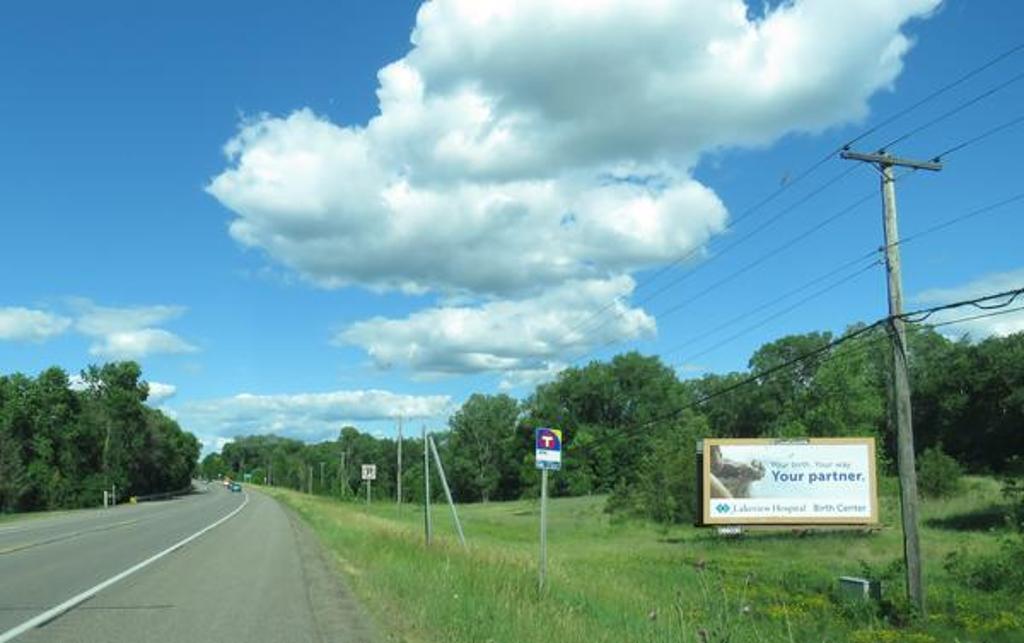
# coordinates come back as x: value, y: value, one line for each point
x: 617, y: 580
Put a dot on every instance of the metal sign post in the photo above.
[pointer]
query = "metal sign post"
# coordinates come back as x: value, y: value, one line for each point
x: 548, y: 456
x: 543, y: 566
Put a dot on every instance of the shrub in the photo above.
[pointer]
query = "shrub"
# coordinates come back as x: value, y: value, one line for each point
x: 938, y: 475
x: 1013, y: 492
x: 990, y: 572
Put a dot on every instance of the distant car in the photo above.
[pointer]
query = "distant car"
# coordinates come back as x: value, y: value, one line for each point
x: 234, y: 486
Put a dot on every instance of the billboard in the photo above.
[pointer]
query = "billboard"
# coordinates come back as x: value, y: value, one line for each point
x: 789, y: 482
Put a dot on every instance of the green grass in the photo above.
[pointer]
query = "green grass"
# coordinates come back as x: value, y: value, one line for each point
x: 613, y: 580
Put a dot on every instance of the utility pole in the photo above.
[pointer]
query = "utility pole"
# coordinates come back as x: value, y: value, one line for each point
x: 426, y: 487
x: 321, y: 477
x: 900, y: 380
x: 310, y: 484
x: 344, y: 473
x: 399, y: 481
x: 341, y: 474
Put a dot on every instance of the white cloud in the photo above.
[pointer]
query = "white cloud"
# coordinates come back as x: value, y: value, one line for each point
x: 129, y: 333
x: 523, y: 144
x: 136, y: 344
x: 77, y: 383
x: 523, y: 338
x: 531, y: 378
x: 522, y: 149
x: 24, y: 324
x: 159, y: 392
x: 210, y: 443
x: 308, y: 416
x: 976, y: 329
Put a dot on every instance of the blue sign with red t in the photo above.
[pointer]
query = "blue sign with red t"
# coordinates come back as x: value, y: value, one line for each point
x: 548, y: 444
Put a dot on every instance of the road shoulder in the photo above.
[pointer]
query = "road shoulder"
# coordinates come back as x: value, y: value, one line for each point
x: 336, y: 610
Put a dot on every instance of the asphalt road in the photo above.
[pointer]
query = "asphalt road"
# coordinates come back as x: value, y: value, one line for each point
x: 260, y: 576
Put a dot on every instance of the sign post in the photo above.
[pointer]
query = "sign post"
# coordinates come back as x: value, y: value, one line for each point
x: 548, y: 455
x: 369, y: 475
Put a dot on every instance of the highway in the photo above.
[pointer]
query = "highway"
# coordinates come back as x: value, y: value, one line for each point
x: 259, y: 575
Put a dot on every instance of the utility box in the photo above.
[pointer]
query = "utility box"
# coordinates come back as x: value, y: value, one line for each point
x: 860, y: 589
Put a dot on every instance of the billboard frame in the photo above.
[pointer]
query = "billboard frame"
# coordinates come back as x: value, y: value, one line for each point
x: 705, y: 488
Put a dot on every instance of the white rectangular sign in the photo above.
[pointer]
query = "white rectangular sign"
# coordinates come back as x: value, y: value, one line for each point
x: 369, y: 472
x: 790, y: 482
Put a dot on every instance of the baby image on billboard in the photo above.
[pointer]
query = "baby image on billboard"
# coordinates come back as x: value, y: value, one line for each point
x: 827, y: 480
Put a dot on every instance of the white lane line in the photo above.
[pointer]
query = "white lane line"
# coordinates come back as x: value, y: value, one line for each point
x: 54, y: 612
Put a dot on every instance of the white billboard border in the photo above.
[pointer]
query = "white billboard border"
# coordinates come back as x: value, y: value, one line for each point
x: 708, y: 520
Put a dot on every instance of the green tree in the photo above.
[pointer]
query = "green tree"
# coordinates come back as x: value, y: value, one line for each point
x: 607, y: 411
x: 481, y: 444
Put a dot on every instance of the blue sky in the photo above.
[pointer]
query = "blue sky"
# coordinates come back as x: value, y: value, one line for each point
x: 289, y: 238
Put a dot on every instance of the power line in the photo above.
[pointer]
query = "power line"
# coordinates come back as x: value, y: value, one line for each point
x: 961, y: 218
x: 978, y: 302
x: 611, y: 305
x: 979, y: 137
x: 766, y: 373
x: 768, y: 255
x: 769, y: 304
x: 959, y: 108
x: 962, y: 320
x: 746, y: 268
x: 785, y: 310
x: 936, y: 93
x: 823, y: 277
x: 692, y: 253
x: 749, y: 235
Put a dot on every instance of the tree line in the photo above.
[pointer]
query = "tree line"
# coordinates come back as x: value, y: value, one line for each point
x: 61, y: 446
x: 631, y: 423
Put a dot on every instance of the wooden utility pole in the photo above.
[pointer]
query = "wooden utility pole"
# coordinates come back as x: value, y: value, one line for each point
x: 344, y: 477
x: 398, y: 495
x: 900, y: 379
x: 426, y: 488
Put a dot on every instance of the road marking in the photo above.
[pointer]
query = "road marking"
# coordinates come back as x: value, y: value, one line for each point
x: 69, y: 604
